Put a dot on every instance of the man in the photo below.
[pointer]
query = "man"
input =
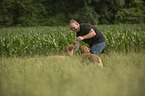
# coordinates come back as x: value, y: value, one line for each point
x: 90, y: 35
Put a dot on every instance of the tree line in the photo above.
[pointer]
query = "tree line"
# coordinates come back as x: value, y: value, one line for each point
x: 59, y: 12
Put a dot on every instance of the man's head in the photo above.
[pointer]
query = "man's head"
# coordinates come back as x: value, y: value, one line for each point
x: 74, y: 25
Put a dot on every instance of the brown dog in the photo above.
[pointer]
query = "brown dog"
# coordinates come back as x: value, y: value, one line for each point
x: 69, y: 52
x: 92, y: 57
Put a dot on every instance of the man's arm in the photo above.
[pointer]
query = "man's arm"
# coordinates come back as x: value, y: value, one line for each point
x: 91, y: 34
x: 77, y: 46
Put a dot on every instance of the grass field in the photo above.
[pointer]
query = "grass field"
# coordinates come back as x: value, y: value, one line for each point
x: 122, y: 75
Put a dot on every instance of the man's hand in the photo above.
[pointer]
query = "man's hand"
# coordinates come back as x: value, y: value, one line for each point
x: 80, y: 38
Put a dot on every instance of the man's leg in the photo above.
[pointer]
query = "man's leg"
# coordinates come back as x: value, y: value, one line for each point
x: 97, y: 48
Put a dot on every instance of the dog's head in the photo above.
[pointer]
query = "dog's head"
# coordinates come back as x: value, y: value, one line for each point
x: 69, y: 47
x: 69, y: 50
x: 84, y: 49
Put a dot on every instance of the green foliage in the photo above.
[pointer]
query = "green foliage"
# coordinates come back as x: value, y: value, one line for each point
x: 124, y: 37
x: 6, y: 17
x: 57, y: 20
x: 21, y: 12
x: 131, y: 15
x: 50, y: 12
x: 24, y: 21
x: 107, y: 9
x: 41, y: 40
x: 86, y: 14
x: 44, y: 40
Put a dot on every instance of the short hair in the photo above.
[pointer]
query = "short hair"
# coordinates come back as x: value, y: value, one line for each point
x: 72, y: 21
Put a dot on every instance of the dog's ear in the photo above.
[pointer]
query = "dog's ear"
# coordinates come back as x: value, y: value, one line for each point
x: 86, y: 49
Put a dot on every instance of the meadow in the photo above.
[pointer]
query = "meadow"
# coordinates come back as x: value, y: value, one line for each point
x: 122, y: 75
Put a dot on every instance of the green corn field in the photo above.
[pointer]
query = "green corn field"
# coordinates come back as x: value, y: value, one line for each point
x: 21, y: 41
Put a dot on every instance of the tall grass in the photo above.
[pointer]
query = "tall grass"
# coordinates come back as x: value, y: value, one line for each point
x: 21, y: 41
x: 122, y: 75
